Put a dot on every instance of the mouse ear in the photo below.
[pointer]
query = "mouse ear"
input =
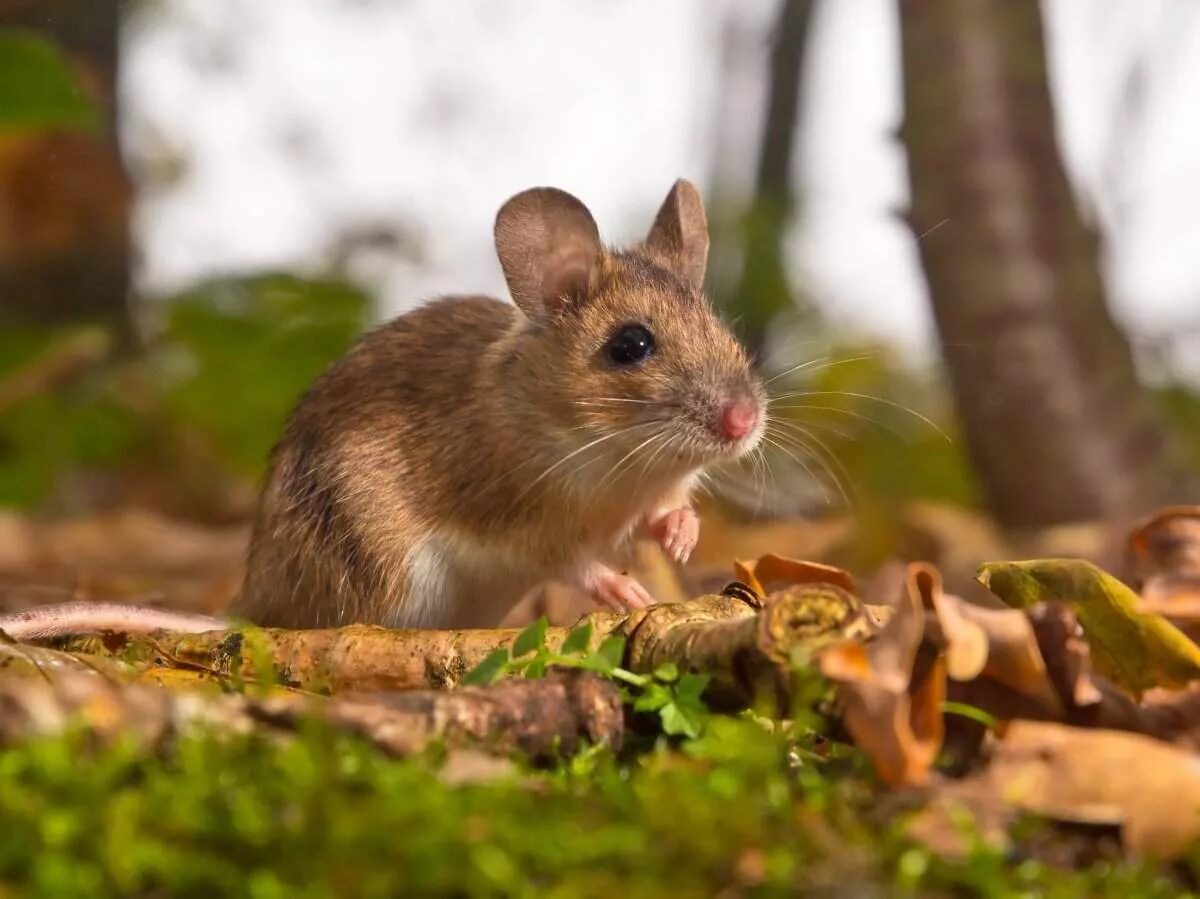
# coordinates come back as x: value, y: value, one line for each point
x: 548, y: 247
x: 680, y: 233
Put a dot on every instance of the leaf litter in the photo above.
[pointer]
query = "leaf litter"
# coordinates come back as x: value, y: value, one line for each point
x: 1073, y: 696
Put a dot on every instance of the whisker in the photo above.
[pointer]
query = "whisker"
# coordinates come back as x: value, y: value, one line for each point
x: 801, y: 437
x: 599, y: 400
x: 852, y: 414
x: 575, y: 452
x: 829, y: 362
x: 613, y: 471
x: 877, y: 399
x: 820, y: 483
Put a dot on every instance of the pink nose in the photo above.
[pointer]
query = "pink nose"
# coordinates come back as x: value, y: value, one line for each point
x: 738, y: 418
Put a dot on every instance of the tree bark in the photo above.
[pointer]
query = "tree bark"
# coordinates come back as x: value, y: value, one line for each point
x: 763, y: 290
x: 748, y: 653
x: 1057, y: 424
x: 64, y: 195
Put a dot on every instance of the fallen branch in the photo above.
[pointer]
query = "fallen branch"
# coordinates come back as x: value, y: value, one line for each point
x: 742, y: 648
x: 44, y: 692
x: 541, y: 719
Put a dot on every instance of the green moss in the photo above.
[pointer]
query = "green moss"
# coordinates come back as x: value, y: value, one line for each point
x: 327, y: 816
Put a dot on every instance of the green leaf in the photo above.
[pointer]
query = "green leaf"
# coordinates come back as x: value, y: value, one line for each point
x: 531, y: 639
x: 966, y: 710
x: 653, y: 698
x: 489, y: 669
x: 667, y: 672
x: 682, y: 719
x: 237, y: 354
x: 691, y: 687
x: 536, y: 668
x: 578, y: 640
x: 1139, y: 650
x: 37, y: 87
x: 612, y: 651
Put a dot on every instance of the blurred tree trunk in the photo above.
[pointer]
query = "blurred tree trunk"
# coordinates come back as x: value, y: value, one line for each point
x: 763, y: 290
x: 1056, y: 421
x: 64, y: 196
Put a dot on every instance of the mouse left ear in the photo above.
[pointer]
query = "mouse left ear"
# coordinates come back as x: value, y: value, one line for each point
x: 549, y: 249
x: 680, y: 233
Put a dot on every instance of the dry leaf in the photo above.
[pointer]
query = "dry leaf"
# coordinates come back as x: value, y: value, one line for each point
x: 1149, y: 789
x: 1137, y: 650
x: 1165, y: 553
x: 963, y: 641
x: 999, y: 644
x: 897, y: 723
x: 771, y: 572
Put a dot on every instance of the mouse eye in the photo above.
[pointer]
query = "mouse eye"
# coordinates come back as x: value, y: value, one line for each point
x: 631, y: 345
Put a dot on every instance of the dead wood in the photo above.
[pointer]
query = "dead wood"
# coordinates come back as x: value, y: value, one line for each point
x: 541, y: 719
x: 744, y: 649
x: 45, y: 692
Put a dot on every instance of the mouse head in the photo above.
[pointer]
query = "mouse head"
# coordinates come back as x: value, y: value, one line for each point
x: 624, y: 349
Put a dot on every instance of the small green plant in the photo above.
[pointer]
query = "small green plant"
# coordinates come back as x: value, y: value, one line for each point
x: 676, y: 697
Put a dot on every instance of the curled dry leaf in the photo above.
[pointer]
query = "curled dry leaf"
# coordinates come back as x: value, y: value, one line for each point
x: 1165, y: 556
x: 896, y: 722
x: 997, y: 644
x: 963, y: 642
x: 1151, y: 790
x: 771, y: 575
x: 1135, y: 649
x: 770, y: 572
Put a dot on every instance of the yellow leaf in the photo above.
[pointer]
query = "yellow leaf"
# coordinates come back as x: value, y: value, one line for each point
x: 1136, y: 649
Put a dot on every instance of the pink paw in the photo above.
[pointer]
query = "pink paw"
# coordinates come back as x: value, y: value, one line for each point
x: 677, y: 533
x: 617, y: 591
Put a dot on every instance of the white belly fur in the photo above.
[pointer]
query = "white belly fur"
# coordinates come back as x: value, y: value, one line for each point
x: 451, y: 584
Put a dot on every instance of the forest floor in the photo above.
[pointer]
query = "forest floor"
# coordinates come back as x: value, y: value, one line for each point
x: 1034, y: 739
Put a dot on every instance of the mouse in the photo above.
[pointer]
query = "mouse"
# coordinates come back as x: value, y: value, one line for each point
x: 471, y: 448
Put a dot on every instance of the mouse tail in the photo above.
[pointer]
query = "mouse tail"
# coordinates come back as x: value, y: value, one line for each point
x: 81, y: 617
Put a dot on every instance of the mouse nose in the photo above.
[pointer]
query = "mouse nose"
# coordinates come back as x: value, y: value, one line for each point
x: 738, y: 418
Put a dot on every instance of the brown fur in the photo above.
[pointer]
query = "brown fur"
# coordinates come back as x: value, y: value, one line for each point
x: 425, y: 478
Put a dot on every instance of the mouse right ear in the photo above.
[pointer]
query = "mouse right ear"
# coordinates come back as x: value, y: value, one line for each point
x: 549, y: 248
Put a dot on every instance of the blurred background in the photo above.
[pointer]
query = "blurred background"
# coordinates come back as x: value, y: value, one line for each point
x: 972, y: 224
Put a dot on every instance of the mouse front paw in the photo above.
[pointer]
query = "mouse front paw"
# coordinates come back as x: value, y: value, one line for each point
x: 614, y: 590
x: 677, y: 532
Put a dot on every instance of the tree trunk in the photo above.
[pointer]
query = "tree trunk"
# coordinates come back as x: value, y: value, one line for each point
x: 1056, y: 421
x: 64, y: 196
x: 763, y: 291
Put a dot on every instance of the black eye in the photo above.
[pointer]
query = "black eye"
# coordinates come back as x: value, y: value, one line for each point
x: 631, y: 345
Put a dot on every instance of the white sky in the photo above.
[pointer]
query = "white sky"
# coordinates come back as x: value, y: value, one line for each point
x: 293, y: 121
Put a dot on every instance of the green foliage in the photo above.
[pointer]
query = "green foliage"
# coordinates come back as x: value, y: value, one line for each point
x: 744, y: 811
x: 888, y: 426
x: 83, y: 424
x: 676, y: 699
x: 37, y: 86
x: 238, y: 354
x: 1181, y: 405
x: 231, y: 362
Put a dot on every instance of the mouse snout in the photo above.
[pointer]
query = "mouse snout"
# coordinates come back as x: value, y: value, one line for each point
x: 738, y: 417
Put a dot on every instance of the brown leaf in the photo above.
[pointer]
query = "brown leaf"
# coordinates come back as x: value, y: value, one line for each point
x: 998, y: 644
x: 964, y: 643
x: 1165, y: 556
x: 1068, y: 659
x: 1149, y: 789
x: 770, y: 572
x: 897, y: 723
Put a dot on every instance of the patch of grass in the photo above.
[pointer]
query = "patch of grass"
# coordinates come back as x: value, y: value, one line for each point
x: 743, y: 809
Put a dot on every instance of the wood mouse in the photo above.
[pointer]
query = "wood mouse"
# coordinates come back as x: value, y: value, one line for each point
x: 470, y: 449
